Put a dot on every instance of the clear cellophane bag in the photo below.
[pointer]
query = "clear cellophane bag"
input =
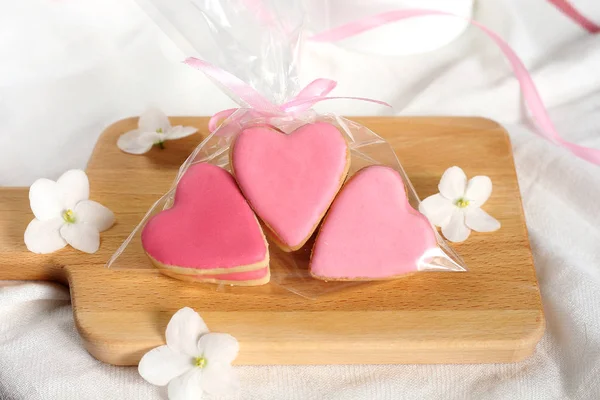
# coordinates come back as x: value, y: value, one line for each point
x: 260, y: 43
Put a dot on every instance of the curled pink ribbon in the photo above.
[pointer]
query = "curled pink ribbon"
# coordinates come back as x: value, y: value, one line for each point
x: 313, y: 93
x: 530, y: 94
x: 567, y: 9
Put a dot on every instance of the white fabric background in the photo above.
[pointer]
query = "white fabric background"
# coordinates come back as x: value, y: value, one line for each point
x: 69, y: 68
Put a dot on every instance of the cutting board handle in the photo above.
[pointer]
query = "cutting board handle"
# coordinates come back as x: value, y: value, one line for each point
x: 44, y: 271
x: 17, y: 262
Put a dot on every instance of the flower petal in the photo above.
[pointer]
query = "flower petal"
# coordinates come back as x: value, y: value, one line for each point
x: 183, y: 331
x: 456, y: 230
x: 45, y: 199
x: 437, y: 209
x: 43, y: 237
x: 478, y: 190
x: 187, y: 386
x: 219, y: 347
x: 82, y: 237
x: 135, y: 142
x: 153, y: 120
x: 75, y: 186
x: 220, y: 379
x: 162, y: 364
x: 453, y: 183
x: 128, y: 140
x: 95, y: 214
x: 178, y: 132
x: 480, y: 221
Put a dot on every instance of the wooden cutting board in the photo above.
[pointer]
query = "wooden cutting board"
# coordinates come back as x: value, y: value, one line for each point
x: 490, y: 314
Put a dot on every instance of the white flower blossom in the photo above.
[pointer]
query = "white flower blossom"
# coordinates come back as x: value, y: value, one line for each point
x: 154, y: 128
x: 193, y: 361
x: 64, y: 214
x: 457, y: 207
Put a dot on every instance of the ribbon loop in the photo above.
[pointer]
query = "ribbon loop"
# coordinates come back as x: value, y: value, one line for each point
x: 311, y: 94
x: 219, y: 117
x: 318, y: 87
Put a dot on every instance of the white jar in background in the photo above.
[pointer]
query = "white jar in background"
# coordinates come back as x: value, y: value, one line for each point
x: 410, y: 36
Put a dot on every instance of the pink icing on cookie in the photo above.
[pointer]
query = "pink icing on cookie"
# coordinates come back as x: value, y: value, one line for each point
x: 371, y: 231
x: 209, y: 226
x: 290, y: 180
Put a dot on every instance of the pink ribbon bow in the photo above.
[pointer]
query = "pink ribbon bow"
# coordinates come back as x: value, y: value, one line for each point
x: 312, y: 93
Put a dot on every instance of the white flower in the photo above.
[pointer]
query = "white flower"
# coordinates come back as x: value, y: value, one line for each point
x: 63, y: 214
x: 193, y: 360
x: 153, y: 129
x: 456, y: 209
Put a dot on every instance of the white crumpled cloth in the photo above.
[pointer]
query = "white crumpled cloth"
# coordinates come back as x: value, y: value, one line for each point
x: 69, y: 68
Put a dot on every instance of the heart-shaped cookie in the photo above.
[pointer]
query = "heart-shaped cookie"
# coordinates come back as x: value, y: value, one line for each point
x: 291, y: 179
x: 210, y: 229
x: 371, y: 231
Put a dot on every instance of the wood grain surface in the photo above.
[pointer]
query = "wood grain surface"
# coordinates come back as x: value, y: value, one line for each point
x: 492, y: 313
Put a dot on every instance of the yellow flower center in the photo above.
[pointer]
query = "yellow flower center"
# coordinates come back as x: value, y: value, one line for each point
x: 200, y: 362
x: 462, y: 203
x: 69, y: 216
x: 160, y: 143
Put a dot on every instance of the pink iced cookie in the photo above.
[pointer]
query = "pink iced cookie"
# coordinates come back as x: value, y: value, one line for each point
x: 371, y: 231
x: 210, y: 229
x: 290, y: 180
x: 248, y: 278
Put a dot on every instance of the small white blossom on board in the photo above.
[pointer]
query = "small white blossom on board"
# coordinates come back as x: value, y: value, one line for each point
x: 64, y: 214
x: 154, y: 128
x: 193, y: 361
x: 457, y: 207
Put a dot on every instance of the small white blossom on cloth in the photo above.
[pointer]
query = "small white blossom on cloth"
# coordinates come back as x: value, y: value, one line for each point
x: 457, y: 207
x: 154, y: 128
x: 193, y: 361
x: 64, y: 214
